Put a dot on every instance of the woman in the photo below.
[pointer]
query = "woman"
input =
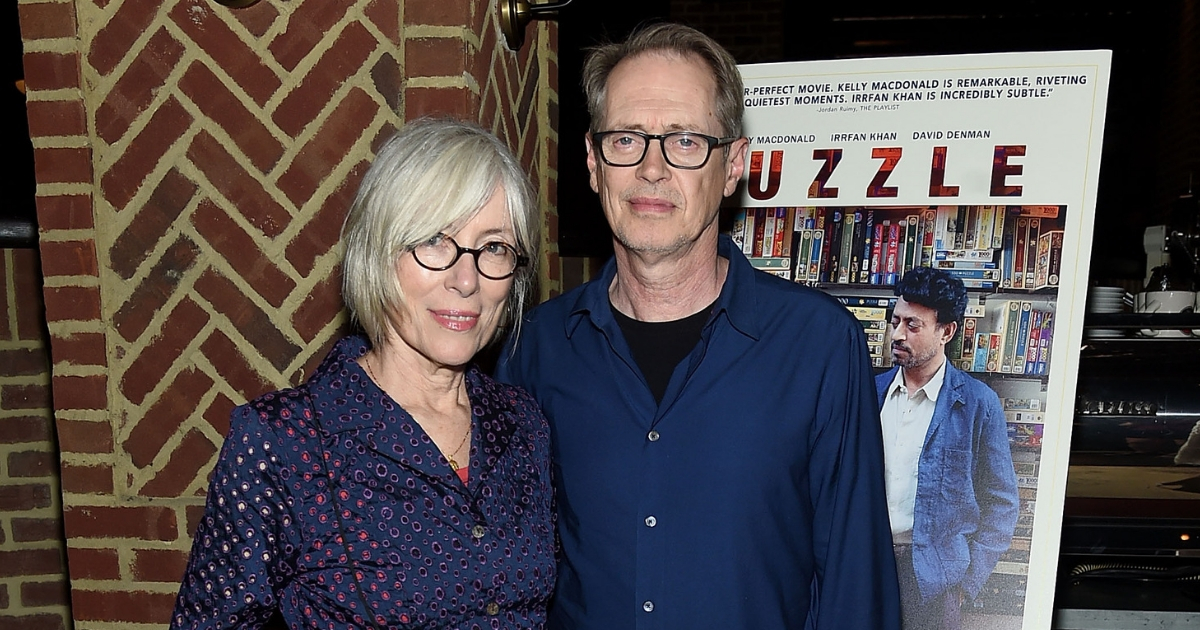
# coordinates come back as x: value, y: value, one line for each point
x: 399, y: 487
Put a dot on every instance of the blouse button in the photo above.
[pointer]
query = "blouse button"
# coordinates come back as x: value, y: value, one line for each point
x: 648, y: 606
x: 477, y: 532
x: 493, y: 608
x: 652, y: 436
x: 651, y: 521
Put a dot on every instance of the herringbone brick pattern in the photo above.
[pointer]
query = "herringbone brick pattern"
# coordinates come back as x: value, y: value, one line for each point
x: 194, y: 166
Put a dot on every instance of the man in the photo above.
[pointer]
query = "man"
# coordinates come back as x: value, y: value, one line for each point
x: 717, y: 452
x: 951, y: 489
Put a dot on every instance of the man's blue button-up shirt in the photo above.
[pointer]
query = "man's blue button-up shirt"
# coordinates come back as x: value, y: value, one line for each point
x: 751, y: 497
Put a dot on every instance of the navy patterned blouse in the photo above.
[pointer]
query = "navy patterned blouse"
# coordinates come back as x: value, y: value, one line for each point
x: 329, y: 499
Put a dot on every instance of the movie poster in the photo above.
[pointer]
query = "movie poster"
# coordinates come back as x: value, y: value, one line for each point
x: 985, y: 166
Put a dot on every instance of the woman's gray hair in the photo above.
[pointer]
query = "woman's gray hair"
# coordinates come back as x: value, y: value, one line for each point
x: 668, y: 39
x: 431, y: 177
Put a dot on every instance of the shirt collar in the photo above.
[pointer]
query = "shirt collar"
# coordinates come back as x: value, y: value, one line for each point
x: 931, y: 389
x: 738, y: 299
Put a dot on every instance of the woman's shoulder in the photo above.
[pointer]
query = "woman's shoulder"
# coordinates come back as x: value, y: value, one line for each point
x: 503, y: 396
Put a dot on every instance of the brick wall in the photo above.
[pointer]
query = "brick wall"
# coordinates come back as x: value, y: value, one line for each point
x: 194, y: 164
x: 33, y: 587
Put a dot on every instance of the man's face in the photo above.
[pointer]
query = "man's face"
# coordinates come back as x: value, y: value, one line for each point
x: 917, y: 338
x: 653, y: 207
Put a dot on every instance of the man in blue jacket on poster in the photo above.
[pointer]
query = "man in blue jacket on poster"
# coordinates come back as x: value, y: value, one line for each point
x: 951, y: 488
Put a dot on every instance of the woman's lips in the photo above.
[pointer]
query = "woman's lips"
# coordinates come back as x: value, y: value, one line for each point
x: 460, y: 321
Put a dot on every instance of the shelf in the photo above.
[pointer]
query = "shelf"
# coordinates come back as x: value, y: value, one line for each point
x: 1125, y: 321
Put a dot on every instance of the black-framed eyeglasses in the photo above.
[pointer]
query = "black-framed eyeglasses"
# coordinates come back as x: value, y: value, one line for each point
x: 495, y: 260
x: 682, y: 149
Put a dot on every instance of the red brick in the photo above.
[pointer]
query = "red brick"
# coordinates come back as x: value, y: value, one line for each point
x: 75, y: 304
x: 250, y: 320
x: 135, y: 90
x: 54, y: 165
x: 152, y: 294
x: 307, y: 26
x: 22, y: 498
x: 181, y: 327
x: 43, y: 621
x: 163, y: 418
x: 258, y: 17
x: 344, y: 59
x: 388, y: 77
x: 27, y: 294
x: 125, y: 177
x: 55, y: 118
x: 236, y: 185
x: 436, y: 57
x: 47, y: 20
x: 24, y: 397
x: 5, y: 265
x: 121, y: 606
x: 93, y: 564
x: 237, y: 371
x: 51, y: 71
x: 24, y: 361
x: 242, y: 253
x: 140, y: 522
x: 173, y: 193
x: 65, y: 212
x: 22, y: 429
x: 452, y: 102
x: 322, y: 305
x: 79, y: 436
x: 81, y: 392
x: 217, y: 413
x: 120, y: 32
x: 34, y: 594
x: 32, y: 464
x: 3, y: 596
x: 194, y: 515
x: 79, y: 349
x: 385, y: 15
x: 229, y: 114
x: 87, y: 479
x: 69, y: 258
x: 159, y: 565
x: 442, y: 13
x: 328, y: 147
x: 194, y: 453
x: 320, y: 234
x: 197, y: 19
x: 36, y: 529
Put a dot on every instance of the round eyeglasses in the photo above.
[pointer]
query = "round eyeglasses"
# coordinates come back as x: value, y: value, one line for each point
x: 495, y: 260
x: 682, y: 149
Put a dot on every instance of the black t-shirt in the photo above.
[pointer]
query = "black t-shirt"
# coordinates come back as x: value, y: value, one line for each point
x: 658, y: 347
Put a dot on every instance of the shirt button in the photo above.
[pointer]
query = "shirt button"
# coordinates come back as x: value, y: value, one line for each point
x: 652, y: 436
x: 477, y: 532
x: 651, y: 521
x: 648, y: 606
x: 493, y: 608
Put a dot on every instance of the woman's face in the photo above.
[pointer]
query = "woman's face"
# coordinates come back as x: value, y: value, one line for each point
x: 449, y: 315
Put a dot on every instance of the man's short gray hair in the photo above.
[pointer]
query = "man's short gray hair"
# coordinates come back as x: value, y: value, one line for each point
x: 431, y: 177
x: 669, y: 39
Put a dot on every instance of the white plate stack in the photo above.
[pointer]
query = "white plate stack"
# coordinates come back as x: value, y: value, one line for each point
x: 1105, y: 300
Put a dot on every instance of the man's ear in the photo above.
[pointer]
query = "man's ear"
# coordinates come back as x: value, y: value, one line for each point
x: 735, y: 164
x: 948, y: 331
x: 591, y: 162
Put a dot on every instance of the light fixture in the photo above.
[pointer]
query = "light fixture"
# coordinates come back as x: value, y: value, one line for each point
x: 515, y: 15
x: 237, y: 4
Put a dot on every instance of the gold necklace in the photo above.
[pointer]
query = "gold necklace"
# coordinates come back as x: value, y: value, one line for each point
x: 450, y: 456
